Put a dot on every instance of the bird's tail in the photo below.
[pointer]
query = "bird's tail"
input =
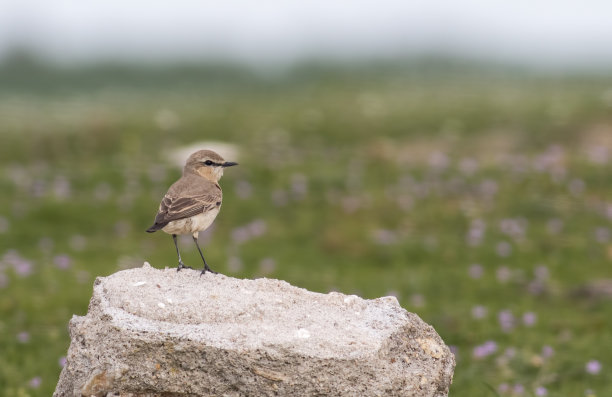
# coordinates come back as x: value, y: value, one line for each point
x: 155, y: 227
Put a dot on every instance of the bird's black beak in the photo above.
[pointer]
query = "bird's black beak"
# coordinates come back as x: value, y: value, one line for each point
x: 228, y: 164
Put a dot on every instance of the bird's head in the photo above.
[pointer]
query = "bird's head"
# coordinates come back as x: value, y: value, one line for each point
x: 207, y: 164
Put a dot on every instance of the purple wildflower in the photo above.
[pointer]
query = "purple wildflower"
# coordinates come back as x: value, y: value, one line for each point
x: 38, y: 188
x: 417, y: 300
x: 529, y: 319
x: 299, y: 186
x: 541, y: 272
x: 62, y: 361
x: 61, y: 187
x: 240, y: 235
x: 484, y: 350
x: 576, y: 187
x: 554, y: 226
x: 476, y: 232
x: 593, y: 367
x: 205, y: 236
x: 503, y: 249
x: 547, y: 351
x: 506, y: 320
x: 384, y: 237
x: 550, y: 159
x: 597, y: 154
x: 608, y: 211
x: 503, y: 274
x: 22, y: 267
x: 244, y: 233
x: 475, y: 271
x: 234, y: 264
x: 267, y: 266
x: 23, y: 337
x: 257, y: 228
x: 536, y: 287
x: 515, y: 228
x: 479, y: 312
x: 35, y: 382
x: 488, y: 188
x: 510, y: 352
x: 393, y: 293
x: 62, y: 261
x: 541, y: 391
x: 602, y: 235
x: 518, y: 389
x: 438, y: 160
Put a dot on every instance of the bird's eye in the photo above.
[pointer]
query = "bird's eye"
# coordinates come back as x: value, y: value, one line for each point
x: 208, y: 162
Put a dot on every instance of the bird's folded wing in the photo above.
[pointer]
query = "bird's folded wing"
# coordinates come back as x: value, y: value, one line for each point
x: 174, y: 208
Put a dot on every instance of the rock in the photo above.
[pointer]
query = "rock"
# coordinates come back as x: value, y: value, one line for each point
x: 152, y: 332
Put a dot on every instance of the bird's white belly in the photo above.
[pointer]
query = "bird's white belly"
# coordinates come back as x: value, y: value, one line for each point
x: 192, y: 225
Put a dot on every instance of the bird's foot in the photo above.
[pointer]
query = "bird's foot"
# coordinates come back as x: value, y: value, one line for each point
x: 207, y: 269
x: 181, y: 265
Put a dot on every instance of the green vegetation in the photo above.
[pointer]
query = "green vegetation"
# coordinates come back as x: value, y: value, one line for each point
x: 480, y: 198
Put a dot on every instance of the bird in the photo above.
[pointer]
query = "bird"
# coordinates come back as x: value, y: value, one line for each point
x: 193, y: 202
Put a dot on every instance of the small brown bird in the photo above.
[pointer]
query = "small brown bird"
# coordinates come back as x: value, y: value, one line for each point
x: 193, y: 202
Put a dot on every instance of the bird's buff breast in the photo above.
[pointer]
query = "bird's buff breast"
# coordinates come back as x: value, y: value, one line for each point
x: 192, y: 225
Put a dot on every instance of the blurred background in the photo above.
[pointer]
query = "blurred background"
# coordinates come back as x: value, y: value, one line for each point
x: 455, y: 155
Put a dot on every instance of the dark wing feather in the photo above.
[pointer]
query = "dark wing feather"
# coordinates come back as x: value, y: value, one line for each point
x: 186, y: 198
x: 175, y: 208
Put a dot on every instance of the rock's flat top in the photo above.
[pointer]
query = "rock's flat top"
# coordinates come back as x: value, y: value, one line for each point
x: 229, y: 313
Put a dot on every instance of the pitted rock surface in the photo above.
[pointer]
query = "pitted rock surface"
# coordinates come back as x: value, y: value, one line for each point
x: 162, y: 332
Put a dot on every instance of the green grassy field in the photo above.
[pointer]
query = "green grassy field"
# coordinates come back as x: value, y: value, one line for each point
x: 482, y: 200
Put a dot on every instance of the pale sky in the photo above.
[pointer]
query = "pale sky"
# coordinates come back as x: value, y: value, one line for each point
x: 541, y: 32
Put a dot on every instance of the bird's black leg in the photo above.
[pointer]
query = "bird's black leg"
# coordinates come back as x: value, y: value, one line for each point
x: 206, y: 267
x: 181, y: 265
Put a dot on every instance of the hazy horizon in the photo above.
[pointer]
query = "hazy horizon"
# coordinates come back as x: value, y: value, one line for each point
x: 549, y: 34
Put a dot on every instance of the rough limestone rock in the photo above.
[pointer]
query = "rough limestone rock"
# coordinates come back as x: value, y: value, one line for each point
x: 152, y: 332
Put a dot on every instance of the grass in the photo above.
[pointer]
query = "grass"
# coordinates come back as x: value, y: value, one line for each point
x: 481, y: 200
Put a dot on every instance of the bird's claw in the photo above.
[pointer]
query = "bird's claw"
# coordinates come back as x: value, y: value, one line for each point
x: 208, y: 269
